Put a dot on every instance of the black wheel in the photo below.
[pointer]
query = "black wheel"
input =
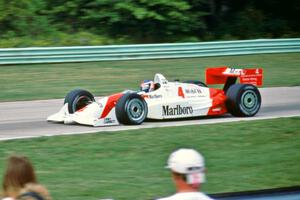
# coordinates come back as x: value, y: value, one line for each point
x: 243, y: 100
x: 78, y: 99
x: 199, y: 83
x: 131, y: 109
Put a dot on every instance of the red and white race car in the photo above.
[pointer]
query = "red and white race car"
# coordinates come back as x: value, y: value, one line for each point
x: 168, y: 100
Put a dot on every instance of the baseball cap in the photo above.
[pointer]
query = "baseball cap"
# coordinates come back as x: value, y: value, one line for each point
x: 186, y: 161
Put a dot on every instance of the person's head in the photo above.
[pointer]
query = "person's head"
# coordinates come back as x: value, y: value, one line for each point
x: 188, y: 168
x: 33, y: 191
x: 19, y: 171
x: 147, y: 86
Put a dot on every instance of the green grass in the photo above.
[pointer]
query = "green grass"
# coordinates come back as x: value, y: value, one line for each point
x: 44, y: 81
x: 128, y: 165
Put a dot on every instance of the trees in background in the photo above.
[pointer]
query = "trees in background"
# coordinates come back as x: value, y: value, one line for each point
x: 257, y: 18
x: 23, y: 18
x: 145, y: 21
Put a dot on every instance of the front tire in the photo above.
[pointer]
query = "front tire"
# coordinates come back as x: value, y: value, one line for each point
x: 131, y: 109
x: 243, y: 100
x: 78, y: 99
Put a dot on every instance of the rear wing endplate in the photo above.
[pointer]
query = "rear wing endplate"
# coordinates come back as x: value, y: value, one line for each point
x: 221, y: 75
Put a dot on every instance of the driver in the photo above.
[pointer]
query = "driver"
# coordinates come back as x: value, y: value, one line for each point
x: 147, y: 86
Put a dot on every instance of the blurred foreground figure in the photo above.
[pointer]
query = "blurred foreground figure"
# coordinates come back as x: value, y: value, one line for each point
x: 34, y: 191
x: 188, y: 173
x: 19, y: 177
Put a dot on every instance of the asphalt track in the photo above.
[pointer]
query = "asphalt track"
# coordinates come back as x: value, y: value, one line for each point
x: 27, y: 119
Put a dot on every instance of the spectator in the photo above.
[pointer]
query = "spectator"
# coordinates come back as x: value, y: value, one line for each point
x: 19, y: 172
x: 33, y: 191
x: 188, y: 173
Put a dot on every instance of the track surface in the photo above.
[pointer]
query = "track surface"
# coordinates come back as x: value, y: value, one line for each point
x: 27, y: 119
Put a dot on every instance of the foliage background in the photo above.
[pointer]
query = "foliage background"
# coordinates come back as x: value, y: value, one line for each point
x: 95, y: 22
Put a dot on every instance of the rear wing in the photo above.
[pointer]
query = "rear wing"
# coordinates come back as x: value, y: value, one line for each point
x: 228, y: 76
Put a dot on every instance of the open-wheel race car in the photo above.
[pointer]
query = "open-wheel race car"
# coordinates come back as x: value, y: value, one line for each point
x: 162, y: 99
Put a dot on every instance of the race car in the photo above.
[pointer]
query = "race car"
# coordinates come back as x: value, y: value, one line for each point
x: 163, y: 99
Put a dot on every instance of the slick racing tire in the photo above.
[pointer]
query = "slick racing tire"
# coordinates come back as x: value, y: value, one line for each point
x: 131, y: 109
x: 199, y: 83
x: 243, y: 100
x: 78, y: 99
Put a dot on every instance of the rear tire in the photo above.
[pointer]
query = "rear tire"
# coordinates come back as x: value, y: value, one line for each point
x: 243, y: 100
x: 131, y: 109
x: 78, y: 99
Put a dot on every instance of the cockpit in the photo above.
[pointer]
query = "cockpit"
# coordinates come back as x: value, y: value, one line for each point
x: 149, y: 85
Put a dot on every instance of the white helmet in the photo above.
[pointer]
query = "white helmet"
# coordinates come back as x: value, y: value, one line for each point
x: 188, y: 162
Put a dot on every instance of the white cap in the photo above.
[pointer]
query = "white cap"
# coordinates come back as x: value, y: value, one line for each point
x: 186, y: 161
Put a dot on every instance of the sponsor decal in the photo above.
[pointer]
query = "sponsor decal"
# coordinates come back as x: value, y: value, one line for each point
x: 218, y: 109
x: 257, y: 71
x: 193, y: 91
x: 177, y: 110
x: 234, y: 71
x: 109, y: 121
x: 155, y: 96
x: 180, y: 92
x: 164, y: 81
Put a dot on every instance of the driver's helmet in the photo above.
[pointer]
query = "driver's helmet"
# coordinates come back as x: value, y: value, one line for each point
x: 147, y: 86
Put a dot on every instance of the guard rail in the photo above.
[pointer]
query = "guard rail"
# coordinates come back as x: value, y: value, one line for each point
x: 146, y: 51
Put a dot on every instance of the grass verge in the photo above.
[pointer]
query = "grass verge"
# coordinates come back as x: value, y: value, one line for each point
x: 129, y: 164
x: 45, y: 81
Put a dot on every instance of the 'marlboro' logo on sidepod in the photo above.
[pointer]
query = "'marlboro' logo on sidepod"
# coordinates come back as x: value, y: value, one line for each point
x: 178, y: 110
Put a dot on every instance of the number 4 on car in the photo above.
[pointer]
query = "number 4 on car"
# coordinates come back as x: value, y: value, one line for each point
x: 163, y: 99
